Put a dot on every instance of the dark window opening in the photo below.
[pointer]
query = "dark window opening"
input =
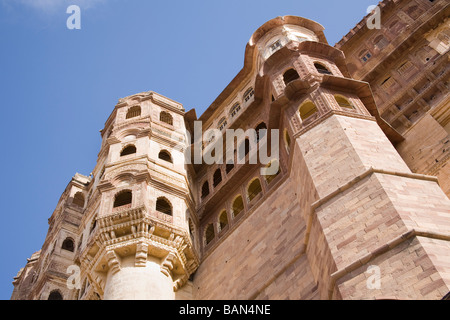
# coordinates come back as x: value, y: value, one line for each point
x: 128, y: 150
x: 205, y: 190
x: 123, y: 198
x: 165, y: 155
x: 290, y: 76
x: 68, y: 245
x: 55, y: 295
x: 164, y: 206
x: 322, y: 69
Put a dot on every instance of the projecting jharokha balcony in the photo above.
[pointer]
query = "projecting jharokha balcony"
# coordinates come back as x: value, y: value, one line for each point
x: 127, y: 223
x: 141, y: 232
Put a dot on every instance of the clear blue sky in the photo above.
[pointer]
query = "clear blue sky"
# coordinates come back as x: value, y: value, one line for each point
x: 58, y: 86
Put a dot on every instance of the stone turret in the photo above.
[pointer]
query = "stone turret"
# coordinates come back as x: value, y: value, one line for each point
x: 141, y: 248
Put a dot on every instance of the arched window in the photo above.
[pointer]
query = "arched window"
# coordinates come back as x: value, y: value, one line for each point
x: 68, y: 244
x: 163, y: 205
x: 238, y: 206
x: 235, y: 109
x: 209, y: 234
x: 223, y: 219
x: 78, y: 200
x: 307, y: 110
x: 222, y: 123
x: 261, y: 131
x: 322, y: 69
x: 343, y: 102
x: 290, y: 76
x: 123, y: 198
x: 166, y: 118
x: 217, y: 178
x: 134, y: 112
x: 273, y: 165
x: 254, y: 189
x: 249, y: 94
x: 55, y: 295
x: 205, y: 190
x: 380, y: 42
x: 128, y: 150
x: 165, y: 155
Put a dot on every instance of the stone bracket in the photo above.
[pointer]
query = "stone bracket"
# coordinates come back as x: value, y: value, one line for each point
x: 141, y: 255
x: 167, y: 264
x: 113, y: 261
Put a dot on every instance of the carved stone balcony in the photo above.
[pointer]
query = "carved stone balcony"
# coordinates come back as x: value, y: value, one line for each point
x: 140, y: 233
